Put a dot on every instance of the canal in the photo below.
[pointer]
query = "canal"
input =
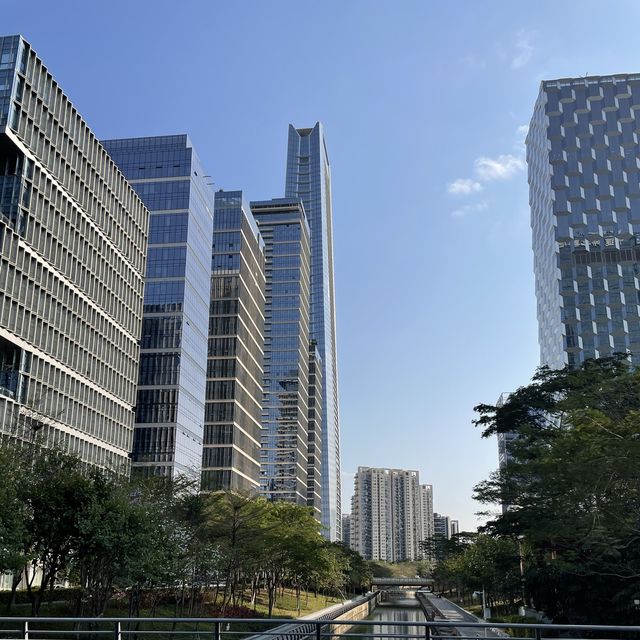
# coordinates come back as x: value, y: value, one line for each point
x: 399, y: 610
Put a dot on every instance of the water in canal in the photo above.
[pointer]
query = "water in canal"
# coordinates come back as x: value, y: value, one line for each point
x: 405, y: 610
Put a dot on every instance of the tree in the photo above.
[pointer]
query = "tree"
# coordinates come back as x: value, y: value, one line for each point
x: 14, y: 516
x: 55, y: 491
x: 573, y: 487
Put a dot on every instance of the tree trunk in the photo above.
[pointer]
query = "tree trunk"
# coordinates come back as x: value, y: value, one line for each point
x: 16, y: 579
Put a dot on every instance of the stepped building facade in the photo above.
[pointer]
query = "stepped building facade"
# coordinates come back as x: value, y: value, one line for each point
x: 73, y: 236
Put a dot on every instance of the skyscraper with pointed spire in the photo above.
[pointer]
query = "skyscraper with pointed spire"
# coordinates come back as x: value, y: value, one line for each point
x: 309, y: 178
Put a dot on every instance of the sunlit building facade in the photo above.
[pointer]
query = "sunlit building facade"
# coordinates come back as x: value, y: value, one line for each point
x: 309, y: 179
x: 233, y: 414
x: 314, y: 430
x: 584, y: 191
x: 167, y: 175
x: 73, y: 237
x: 285, y: 408
x: 391, y: 514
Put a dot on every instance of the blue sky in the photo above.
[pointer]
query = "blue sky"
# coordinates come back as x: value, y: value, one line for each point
x: 425, y: 105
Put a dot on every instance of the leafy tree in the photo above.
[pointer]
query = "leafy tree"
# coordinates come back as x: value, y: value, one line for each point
x: 381, y: 569
x: 55, y: 491
x: 14, y: 517
x: 573, y: 488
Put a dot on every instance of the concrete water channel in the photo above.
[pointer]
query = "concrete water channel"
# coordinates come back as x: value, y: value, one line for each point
x: 397, y: 610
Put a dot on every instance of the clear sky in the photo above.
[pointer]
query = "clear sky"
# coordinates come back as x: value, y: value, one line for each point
x: 424, y: 105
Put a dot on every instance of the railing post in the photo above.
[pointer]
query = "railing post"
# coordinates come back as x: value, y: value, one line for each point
x: 318, y: 630
x: 216, y: 630
x: 538, y: 634
x: 25, y: 630
x: 117, y: 631
x: 427, y: 631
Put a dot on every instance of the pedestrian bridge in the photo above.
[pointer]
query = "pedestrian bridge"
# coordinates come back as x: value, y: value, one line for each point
x: 385, y: 583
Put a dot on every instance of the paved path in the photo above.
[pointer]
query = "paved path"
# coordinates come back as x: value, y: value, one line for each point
x: 452, y: 612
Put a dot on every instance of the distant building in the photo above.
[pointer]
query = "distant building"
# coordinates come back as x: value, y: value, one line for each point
x: 387, y: 514
x: 73, y: 240
x: 455, y: 528
x: 166, y: 173
x: 504, y: 439
x: 233, y: 412
x: 426, y: 497
x: 284, y: 465
x: 346, y: 529
x: 442, y: 526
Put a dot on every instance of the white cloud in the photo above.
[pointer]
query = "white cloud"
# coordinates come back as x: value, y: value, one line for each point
x: 524, y: 49
x: 500, y: 168
x: 464, y: 186
x: 469, y: 209
x: 487, y: 169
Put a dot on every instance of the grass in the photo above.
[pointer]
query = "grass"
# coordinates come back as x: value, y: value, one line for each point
x: 285, y: 606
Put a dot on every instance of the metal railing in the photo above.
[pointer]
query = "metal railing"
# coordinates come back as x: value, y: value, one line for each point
x: 28, y: 628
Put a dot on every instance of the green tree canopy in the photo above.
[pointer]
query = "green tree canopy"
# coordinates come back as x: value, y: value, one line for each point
x: 573, y: 487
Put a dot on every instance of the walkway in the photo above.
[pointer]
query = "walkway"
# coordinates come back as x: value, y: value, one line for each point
x: 453, y: 613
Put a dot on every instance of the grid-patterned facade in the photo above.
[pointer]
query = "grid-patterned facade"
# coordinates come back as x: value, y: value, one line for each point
x: 314, y: 439
x: 388, y: 517
x: 426, y: 514
x: 167, y: 175
x: 230, y: 459
x: 309, y: 178
x: 285, y: 408
x: 584, y: 184
x: 73, y: 237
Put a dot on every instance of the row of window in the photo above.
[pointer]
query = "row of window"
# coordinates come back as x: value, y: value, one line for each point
x: 72, y: 243
x: 54, y: 130
x: 62, y: 324
x: 50, y: 436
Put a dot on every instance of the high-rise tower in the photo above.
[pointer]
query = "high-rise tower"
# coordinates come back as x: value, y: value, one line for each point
x: 309, y: 178
x: 285, y: 410
x: 584, y: 190
x: 167, y: 175
x: 232, y: 423
x: 391, y: 514
x: 73, y: 237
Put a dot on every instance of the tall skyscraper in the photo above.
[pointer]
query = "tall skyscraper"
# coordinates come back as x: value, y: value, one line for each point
x: 584, y: 191
x: 73, y: 237
x: 285, y: 410
x: 166, y: 173
x: 309, y: 178
x: 233, y: 415
x: 314, y: 427
x: 387, y: 517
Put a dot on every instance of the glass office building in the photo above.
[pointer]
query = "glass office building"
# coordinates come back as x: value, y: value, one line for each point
x: 584, y: 191
x: 167, y: 175
x: 73, y: 237
x: 233, y: 413
x: 309, y: 178
x: 314, y: 439
x: 285, y: 407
